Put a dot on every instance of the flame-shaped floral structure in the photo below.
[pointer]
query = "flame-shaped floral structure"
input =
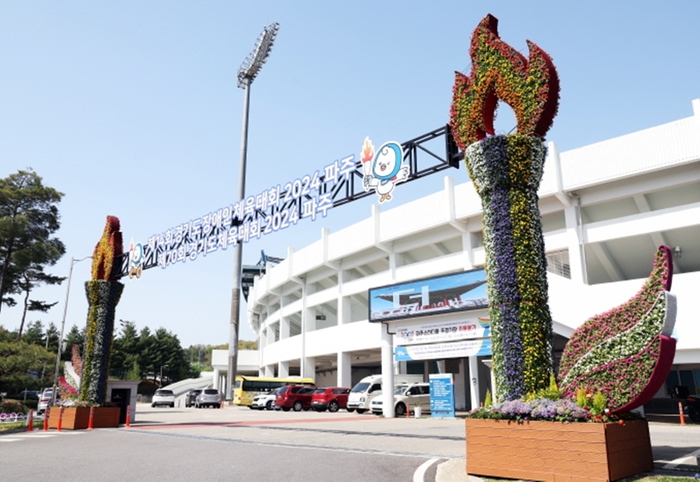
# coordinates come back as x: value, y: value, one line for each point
x: 627, y: 352
x: 506, y: 172
x: 103, y: 293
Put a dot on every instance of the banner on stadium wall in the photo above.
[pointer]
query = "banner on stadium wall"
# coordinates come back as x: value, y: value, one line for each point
x: 415, y: 334
x: 438, y: 351
x: 431, y: 296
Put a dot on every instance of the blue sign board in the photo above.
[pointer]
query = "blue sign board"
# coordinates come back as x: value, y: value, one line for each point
x: 442, y: 395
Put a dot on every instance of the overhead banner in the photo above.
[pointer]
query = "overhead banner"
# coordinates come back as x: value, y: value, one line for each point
x: 456, y: 349
x: 414, y: 334
x: 432, y: 296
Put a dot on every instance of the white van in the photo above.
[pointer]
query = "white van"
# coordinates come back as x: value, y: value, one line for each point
x: 370, y: 387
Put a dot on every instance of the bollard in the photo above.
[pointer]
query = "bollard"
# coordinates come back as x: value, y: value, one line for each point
x: 30, y: 421
x: 91, y: 419
x: 128, y: 416
x: 46, y: 420
x: 680, y: 412
x: 60, y: 419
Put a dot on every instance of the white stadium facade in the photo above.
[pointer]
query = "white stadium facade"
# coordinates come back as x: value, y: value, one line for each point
x: 605, y: 208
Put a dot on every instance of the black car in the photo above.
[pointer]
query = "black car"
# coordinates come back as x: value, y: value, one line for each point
x: 191, y: 397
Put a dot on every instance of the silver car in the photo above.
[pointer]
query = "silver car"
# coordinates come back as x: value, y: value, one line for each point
x: 164, y: 398
x: 210, y: 397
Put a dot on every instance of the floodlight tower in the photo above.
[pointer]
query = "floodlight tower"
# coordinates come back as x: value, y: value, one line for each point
x: 246, y: 74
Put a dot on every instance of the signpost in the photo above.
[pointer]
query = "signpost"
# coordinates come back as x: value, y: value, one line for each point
x: 442, y: 397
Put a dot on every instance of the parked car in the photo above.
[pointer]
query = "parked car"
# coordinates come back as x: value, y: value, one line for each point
x: 28, y: 395
x: 191, y: 397
x: 295, y: 397
x: 163, y: 398
x: 210, y: 397
x: 44, y: 400
x: 406, y: 397
x: 265, y: 401
x: 330, y: 398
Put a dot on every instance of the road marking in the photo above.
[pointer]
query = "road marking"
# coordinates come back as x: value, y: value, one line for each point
x: 293, y: 445
x: 690, y: 459
x: 419, y: 474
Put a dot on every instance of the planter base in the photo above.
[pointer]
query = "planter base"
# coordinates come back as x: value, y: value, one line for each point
x: 77, y: 418
x: 555, y: 451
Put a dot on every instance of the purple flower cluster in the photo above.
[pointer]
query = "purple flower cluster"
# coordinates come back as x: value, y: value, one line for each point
x: 563, y: 410
x: 506, y: 171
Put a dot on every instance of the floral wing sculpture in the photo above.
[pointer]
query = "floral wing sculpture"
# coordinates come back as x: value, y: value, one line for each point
x: 103, y: 294
x: 627, y: 352
x: 506, y: 172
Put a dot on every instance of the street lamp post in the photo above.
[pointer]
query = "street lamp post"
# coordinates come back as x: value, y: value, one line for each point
x: 246, y: 74
x: 161, y: 374
x: 63, y: 325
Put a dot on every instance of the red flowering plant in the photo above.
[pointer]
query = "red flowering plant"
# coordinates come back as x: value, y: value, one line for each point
x: 626, y: 353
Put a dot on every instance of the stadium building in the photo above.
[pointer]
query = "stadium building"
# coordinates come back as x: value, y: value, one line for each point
x: 605, y: 208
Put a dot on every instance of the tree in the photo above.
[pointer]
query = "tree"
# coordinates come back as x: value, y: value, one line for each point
x: 125, y: 351
x: 73, y: 337
x: 32, y: 277
x: 28, y: 218
x: 21, y: 363
x: 35, y: 333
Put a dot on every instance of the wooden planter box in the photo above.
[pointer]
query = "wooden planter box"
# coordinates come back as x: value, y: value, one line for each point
x: 73, y: 418
x: 555, y: 451
x: 106, y: 417
x: 76, y: 418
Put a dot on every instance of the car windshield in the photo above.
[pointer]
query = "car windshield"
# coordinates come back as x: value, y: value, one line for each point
x: 211, y: 392
x: 400, y: 389
x: 320, y: 390
x: 164, y: 393
x: 360, y: 387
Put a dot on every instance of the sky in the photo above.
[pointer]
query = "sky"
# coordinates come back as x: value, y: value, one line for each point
x: 132, y: 109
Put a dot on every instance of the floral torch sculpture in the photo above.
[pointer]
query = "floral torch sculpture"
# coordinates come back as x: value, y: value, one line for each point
x: 103, y: 293
x: 506, y: 171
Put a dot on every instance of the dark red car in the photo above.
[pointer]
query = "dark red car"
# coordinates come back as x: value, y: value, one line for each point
x: 295, y: 397
x: 331, y: 398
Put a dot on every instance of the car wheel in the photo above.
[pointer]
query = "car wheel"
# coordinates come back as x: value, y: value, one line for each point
x: 286, y: 409
x: 172, y: 405
x: 268, y: 405
x: 400, y: 410
x: 361, y: 410
x: 694, y: 414
x: 333, y: 406
x: 350, y: 410
x: 153, y: 405
x: 297, y: 406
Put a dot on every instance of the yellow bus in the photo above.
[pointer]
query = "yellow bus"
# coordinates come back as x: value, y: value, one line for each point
x: 246, y: 388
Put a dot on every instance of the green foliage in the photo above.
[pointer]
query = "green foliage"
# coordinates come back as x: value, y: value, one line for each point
x: 13, y: 406
x: 135, y: 372
x: 488, y: 401
x: 596, y: 403
x: 581, y: 397
x: 600, y: 403
x: 552, y: 392
x: 18, y: 359
x: 28, y: 219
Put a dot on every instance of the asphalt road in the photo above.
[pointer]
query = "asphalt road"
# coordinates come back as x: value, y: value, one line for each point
x: 236, y: 443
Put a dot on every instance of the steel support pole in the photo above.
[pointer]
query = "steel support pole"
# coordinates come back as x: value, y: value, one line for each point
x: 237, y: 260
x: 60, y: 338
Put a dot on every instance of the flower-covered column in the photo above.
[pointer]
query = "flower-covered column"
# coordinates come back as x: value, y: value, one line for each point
x: 506, y: 171
x: 103, y: 293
